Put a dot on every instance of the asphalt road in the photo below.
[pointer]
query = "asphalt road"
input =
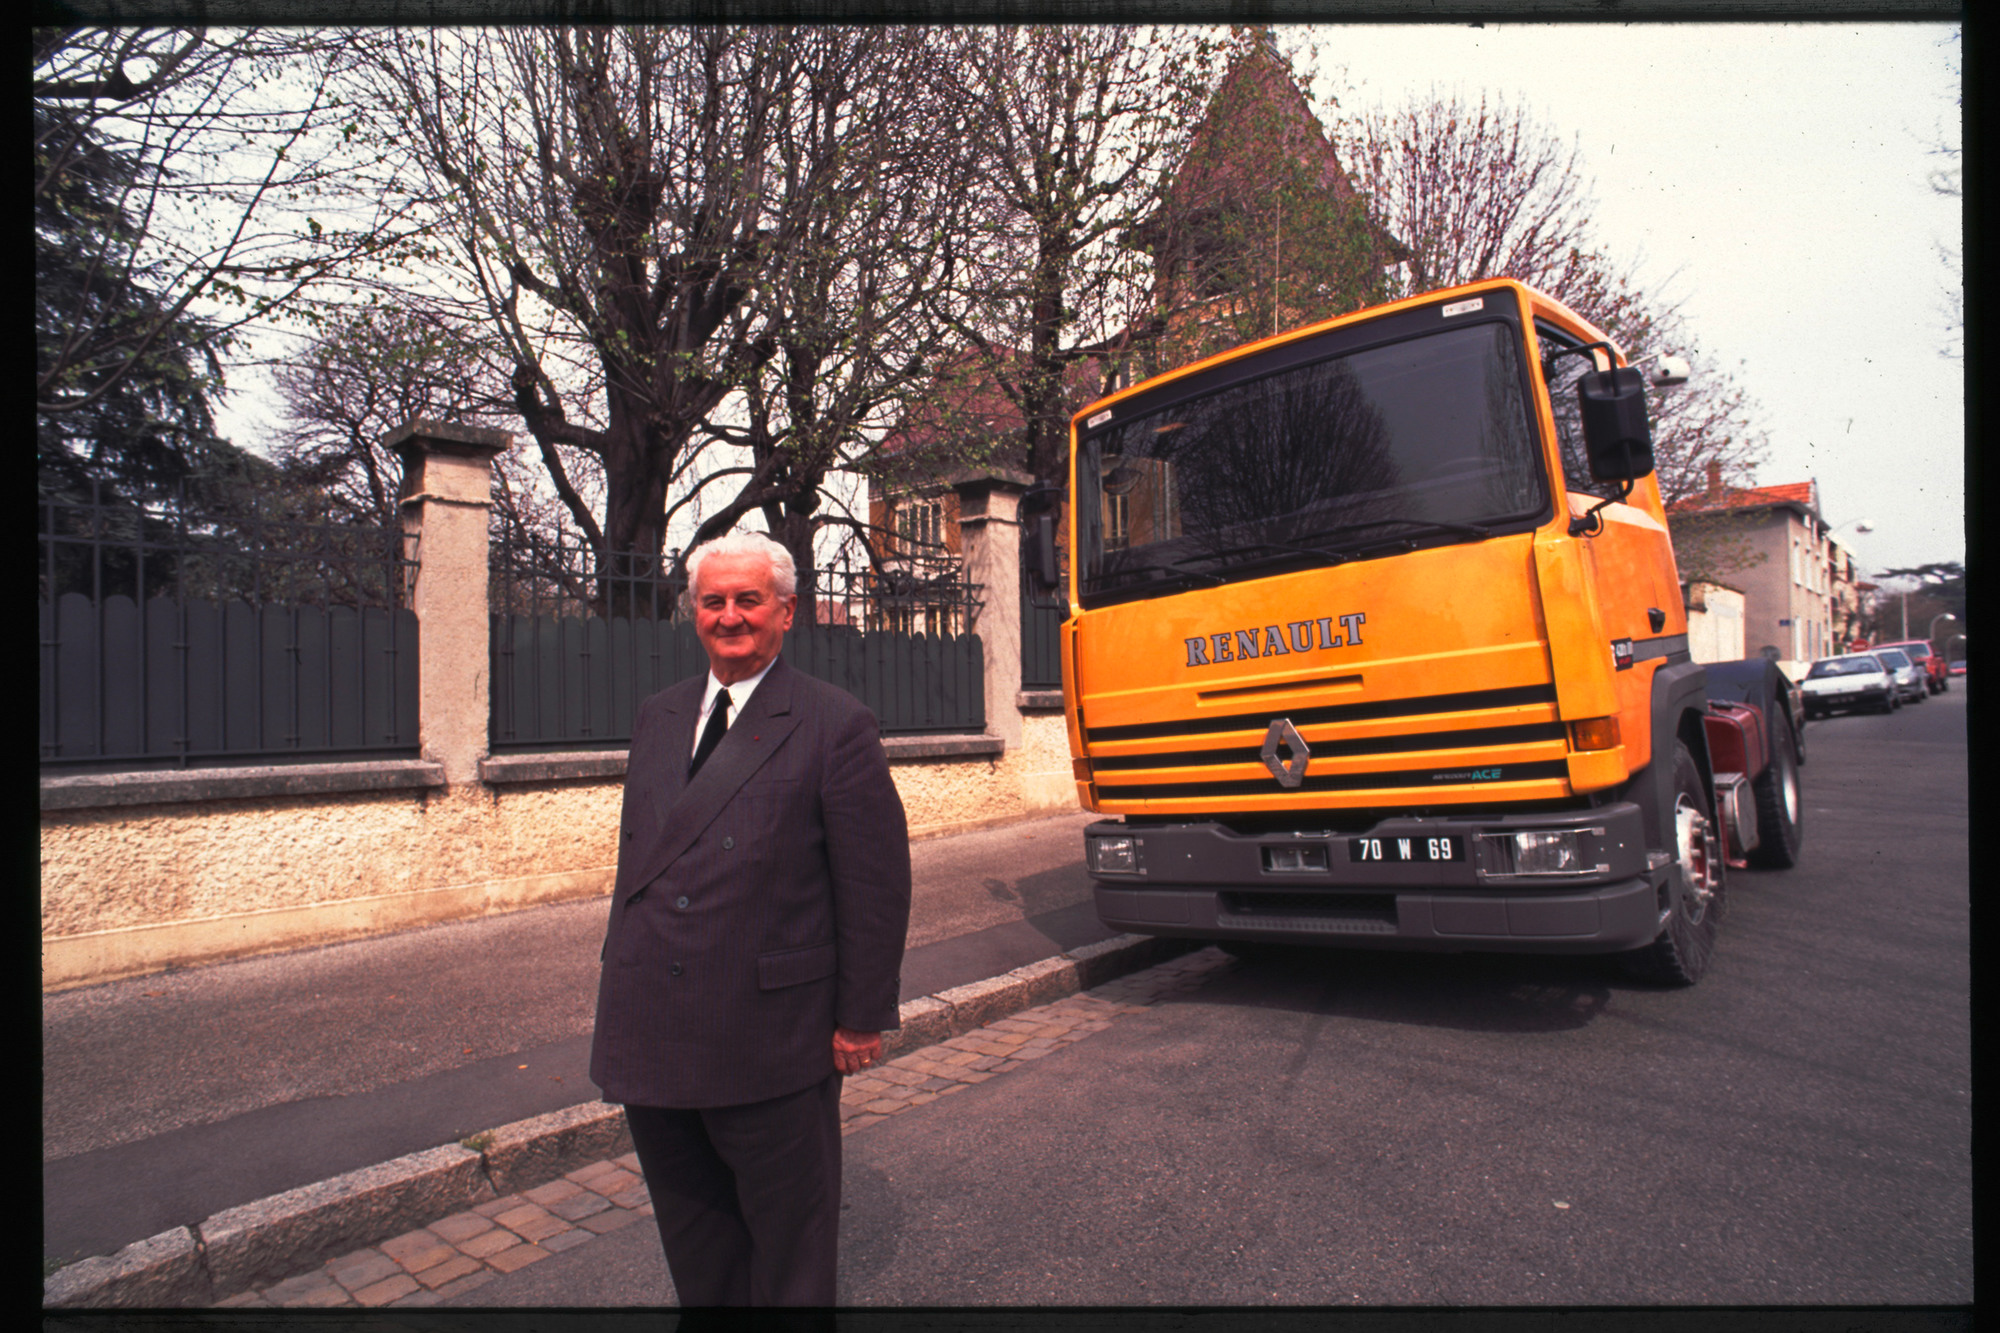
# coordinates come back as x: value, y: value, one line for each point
x: 1399, y: 1129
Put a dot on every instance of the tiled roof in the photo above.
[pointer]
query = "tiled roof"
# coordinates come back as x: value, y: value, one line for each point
x: 1790, y: 493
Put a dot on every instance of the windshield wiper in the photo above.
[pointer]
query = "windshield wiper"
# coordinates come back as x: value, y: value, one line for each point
x: 1184, y: 567
x: 1275, y: 550
x: 1421, y: 526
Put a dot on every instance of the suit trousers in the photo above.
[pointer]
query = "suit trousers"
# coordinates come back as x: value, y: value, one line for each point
x: 747, y: 1198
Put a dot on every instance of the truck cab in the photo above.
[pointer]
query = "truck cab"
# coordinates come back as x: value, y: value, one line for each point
x: 1375, y: 638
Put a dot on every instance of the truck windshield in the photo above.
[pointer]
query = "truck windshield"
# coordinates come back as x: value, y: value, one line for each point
x: 1423, y: 440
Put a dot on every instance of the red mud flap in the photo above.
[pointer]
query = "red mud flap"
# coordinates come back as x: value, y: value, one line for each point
x: 1736, y: 754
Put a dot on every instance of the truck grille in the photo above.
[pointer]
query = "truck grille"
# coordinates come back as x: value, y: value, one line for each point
x: 1484, y: 750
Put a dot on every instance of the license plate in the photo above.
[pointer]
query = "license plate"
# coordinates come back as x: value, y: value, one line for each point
x: 1448, y: 847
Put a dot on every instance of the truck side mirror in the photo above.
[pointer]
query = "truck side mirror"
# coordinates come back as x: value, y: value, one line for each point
x: 1615, y: 433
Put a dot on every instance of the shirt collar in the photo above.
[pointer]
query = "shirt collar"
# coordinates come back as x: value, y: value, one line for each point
x: 739, y: 693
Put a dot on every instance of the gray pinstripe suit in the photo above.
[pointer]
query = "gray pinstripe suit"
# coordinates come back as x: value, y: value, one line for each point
x: 757, y: 905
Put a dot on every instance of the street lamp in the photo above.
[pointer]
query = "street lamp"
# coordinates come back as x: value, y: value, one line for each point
x: 1930, y: 635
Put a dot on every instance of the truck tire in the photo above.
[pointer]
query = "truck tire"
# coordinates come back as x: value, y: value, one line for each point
x: 1780, y: 833
x: 1694, y: 895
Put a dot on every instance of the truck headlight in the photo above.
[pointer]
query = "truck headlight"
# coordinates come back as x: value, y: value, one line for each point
x: 1114, y: 856
x: 1546, y: 853
x: 1538, y: 852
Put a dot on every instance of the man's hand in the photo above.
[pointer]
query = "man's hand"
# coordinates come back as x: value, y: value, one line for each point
x: 855, y: 1051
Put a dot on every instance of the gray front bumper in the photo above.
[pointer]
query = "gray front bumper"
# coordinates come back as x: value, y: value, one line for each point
x: 1204, y: 881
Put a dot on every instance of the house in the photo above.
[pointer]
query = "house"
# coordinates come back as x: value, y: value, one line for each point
x: 1261, y: 229
x: 1715, y: 621
x: 1800, y: 598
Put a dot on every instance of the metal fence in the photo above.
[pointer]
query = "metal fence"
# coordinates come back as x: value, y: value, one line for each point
x: 1041, y: 626
x: 577, y: 643
x: 171, y: 637
x: 1041, y: 643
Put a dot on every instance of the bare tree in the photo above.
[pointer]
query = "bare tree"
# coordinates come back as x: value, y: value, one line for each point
x: 662, y: 231
x: 371, y: 369
x: 1481, y: 189
x: 194, y: 182
x: 1075, y: 129
x: 883, y: 178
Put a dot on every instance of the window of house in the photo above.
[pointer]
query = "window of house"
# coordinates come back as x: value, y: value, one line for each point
x: 920, y: 523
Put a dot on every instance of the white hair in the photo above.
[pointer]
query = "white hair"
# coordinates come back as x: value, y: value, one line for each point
x: 784, y: 573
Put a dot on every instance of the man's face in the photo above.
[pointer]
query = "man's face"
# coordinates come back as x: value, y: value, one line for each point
x: 739, y: 616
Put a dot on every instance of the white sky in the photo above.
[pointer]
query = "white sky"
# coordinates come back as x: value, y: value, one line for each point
x: 1775, y: 177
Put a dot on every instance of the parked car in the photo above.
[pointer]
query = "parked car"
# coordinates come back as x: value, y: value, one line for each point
x: 1909, y: 676
x: 1930, y: 662
x: 1851, y: 681
x: 1958, y: 667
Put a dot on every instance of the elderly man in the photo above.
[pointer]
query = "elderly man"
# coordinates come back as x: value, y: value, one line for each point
x: 757, y: 926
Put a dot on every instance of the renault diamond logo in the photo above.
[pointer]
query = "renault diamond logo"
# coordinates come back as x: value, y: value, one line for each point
x: 1283, y: 736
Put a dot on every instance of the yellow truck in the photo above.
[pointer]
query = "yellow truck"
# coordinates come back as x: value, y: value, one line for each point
x: 1375, y: 639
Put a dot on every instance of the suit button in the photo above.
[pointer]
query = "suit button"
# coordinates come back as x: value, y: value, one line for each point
x: 728, y: 844
x: 681, y: 901
x: 673, y: 969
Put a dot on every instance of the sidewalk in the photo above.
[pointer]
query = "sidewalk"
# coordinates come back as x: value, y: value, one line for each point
x: 214, y: 1126
x: 488, y: 1248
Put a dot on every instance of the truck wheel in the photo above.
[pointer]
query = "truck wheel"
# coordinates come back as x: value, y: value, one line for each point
x: 1694, y: 888
x: 1779, y: 833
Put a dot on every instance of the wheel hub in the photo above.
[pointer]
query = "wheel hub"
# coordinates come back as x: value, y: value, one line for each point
x: 1694, y: 838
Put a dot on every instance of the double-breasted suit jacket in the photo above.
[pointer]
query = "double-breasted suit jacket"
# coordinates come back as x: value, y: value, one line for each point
x: 757, y: 905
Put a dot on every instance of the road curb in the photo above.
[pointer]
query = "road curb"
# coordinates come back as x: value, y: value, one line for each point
x: 275, y: 1237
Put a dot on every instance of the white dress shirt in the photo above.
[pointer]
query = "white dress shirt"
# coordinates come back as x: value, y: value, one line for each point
x: 739, y: 695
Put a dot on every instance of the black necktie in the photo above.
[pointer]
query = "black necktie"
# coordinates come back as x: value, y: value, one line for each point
x: 711, y: 735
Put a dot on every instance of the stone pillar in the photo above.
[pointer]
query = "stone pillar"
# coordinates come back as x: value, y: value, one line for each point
x: 989, y: 524
x: 447, y: 491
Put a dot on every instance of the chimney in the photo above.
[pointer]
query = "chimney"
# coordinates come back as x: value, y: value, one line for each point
x: 1714, y: 479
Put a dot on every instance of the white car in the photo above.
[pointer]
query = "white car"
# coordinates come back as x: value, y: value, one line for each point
x: 1910, y: 682
x: 1853, y: 681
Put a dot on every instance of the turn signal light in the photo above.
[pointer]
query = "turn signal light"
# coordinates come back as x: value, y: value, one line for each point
x: 1594, y: 733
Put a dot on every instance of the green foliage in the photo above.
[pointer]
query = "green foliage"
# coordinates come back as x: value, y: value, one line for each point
x: 137, y: 414
x: 189, y: 184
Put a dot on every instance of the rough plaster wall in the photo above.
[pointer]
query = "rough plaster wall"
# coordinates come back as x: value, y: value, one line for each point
x: 123, y: 868
x: 119, y: 868
x: 945, y: 795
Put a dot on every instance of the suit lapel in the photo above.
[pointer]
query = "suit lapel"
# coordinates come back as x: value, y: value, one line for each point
x: 687, y: 807
x: 664, y: 779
